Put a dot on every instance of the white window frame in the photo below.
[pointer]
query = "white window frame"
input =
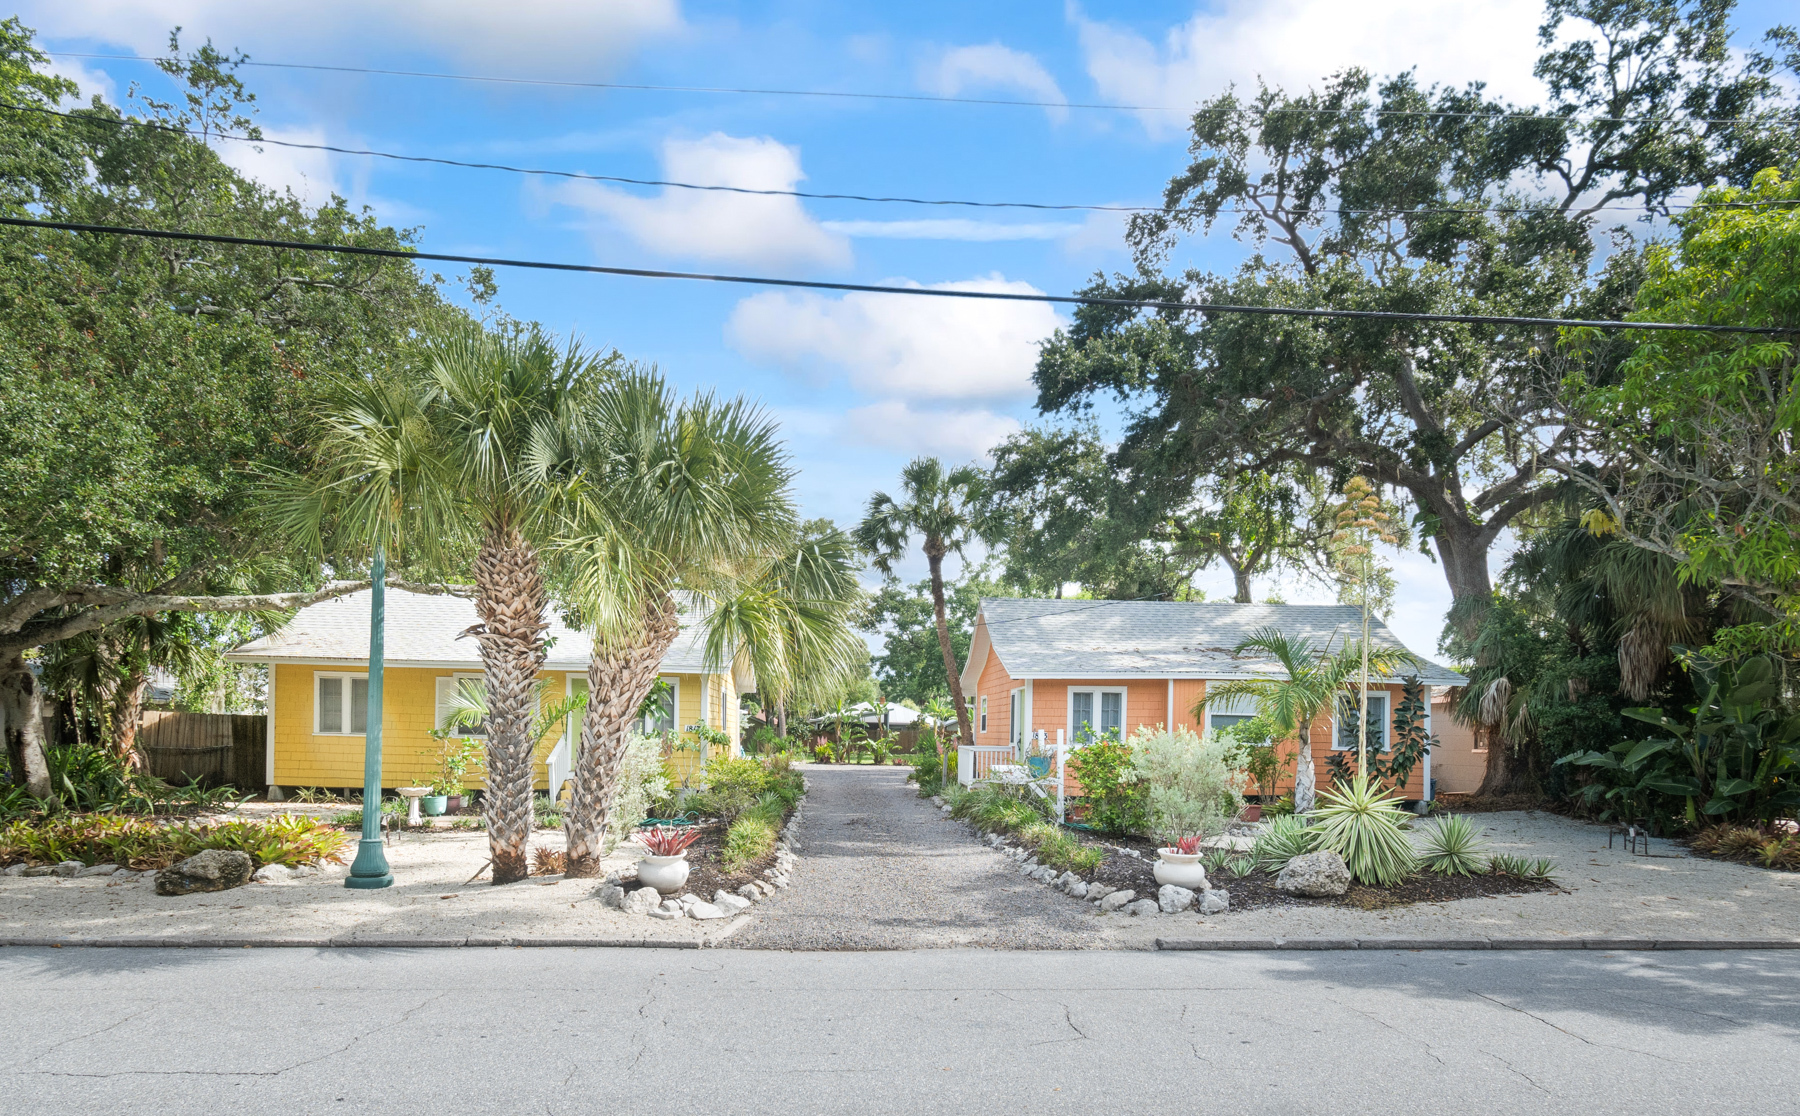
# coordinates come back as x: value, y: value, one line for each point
x: 456, y: 680
x: 983, y: 714
x: 1386, y: 698
x: 1244, y: 706
x: 643, y: 724
x: 1015, y: 727
x: 343, y: 678
x: 1069, y: 716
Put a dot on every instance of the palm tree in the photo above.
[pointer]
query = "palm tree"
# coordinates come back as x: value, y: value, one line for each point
x: 940, y: 506
x: 674, y: 497
x: 1315, y: 679
x: 462, y: 454
x: 788, y: 620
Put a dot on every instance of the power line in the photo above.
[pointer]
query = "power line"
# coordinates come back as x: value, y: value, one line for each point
x: 929, y: 98
x: 434, y: 160
x: 869, y: 288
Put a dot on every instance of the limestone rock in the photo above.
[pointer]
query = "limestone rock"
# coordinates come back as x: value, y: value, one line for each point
x: 1067, y: 880
x: 15, y: 870
x: 642, y: 901
x: 207, y: 870
x: 68, y: 868
x: 1171, y: 899
x: 610, y: 894
x: 96, y: 870
x: 40, y: 870
x: 1097, y: 891
x: 750, y: 892
x: 273, y: 873
x: 1215, y: 902
x: 1117, y: 899
x: 1315, y: 875
x: 668, y: 909
x: 1043, y: 873
x: 729, y: 903
x: 1142, y: 907
x: 704, y: 911
x: 1078, y: 890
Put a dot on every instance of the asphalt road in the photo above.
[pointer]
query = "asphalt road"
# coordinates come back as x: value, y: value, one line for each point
x: 172, y: 1032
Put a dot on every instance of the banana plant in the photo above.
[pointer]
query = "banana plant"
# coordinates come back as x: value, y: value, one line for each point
x: 1735, y: 758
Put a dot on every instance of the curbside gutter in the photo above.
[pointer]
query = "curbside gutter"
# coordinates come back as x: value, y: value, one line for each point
x: 1620, y: 944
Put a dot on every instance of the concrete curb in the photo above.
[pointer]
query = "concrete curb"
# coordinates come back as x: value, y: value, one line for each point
x: 1633, y: 944
x: 181, y: 942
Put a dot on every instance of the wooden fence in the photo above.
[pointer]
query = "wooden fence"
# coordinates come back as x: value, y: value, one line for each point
x: 215, y: 748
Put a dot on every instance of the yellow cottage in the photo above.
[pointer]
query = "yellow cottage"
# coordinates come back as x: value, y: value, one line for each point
x: 318, y: 690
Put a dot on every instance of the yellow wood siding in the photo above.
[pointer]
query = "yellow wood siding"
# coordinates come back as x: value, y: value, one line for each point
x: 409, y: 708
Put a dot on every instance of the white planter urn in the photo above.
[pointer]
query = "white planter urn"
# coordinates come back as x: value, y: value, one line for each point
x: 1181, y: 869
x: 666, y: 874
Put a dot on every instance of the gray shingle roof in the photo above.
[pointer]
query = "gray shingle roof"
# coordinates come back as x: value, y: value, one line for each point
x: 1072, y: 638
x: 421, y: 630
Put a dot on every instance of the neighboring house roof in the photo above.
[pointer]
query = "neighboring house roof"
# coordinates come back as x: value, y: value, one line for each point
x: 422, y: 630
x: 1159, y: 639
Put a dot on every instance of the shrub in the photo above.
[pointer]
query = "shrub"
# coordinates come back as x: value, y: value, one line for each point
x: 1115, y: 803
x: 1285, y: 838
x: 733, y: 785
x: 763, y: 740
x: 1452, y: 847
x: 1189, y: 787
x: 1368, y: 829
x: 143, y: 843
x: 643, y: 781
x: 749, y: 839
x: 1059, y: 849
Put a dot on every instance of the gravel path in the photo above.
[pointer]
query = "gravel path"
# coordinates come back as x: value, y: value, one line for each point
x: 880, y: 868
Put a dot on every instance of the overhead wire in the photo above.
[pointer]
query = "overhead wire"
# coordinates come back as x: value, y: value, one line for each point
x: 811, y: 195
x: 873, y: 288
x: 918, y: 97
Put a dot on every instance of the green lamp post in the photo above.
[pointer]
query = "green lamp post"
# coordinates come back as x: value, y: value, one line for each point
x: 370, y: 869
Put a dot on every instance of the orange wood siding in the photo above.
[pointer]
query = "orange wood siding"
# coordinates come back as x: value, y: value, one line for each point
x: 996, y: 685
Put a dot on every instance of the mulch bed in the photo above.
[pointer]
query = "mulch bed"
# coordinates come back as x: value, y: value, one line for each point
x: 1122, y: 870
x: 706, y: 872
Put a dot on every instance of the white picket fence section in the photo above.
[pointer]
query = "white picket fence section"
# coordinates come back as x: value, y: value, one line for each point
x: 1005, y: 763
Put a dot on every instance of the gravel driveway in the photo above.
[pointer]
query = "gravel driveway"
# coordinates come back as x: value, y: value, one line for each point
x: 880, y: 868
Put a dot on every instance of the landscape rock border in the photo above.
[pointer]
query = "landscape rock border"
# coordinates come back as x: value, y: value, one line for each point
x: 724, y: 904
x: 1107, y: 900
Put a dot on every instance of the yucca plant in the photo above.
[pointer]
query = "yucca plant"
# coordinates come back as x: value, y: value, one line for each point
x: 1286, y: 837
x: 1452, y: 847
x: 1368, y: 829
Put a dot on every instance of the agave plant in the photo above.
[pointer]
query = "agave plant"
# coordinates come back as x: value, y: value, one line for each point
x: 1452, y: 847
x: 1286, y: 837
x: 1368, y: 829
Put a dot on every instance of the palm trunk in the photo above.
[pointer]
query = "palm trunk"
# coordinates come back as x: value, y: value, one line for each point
x: 618, y: 682
x: 127, y: 712
x: 510, y: 598
x: 934, y: 553
x: 22, y: 720
x: 1304, y: 782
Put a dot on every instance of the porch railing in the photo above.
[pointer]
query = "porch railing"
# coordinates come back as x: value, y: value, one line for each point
x: 973, y: 761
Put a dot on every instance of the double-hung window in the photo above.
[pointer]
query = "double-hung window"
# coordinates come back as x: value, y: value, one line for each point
x: 1349, y: 705
x: 983, y: 714
x: 1096, y: 712
x: 467, y: 686
x: 340, y: 704
x: 1015, y: 724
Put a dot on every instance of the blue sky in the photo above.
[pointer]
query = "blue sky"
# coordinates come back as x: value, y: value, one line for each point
x: 859, y: 383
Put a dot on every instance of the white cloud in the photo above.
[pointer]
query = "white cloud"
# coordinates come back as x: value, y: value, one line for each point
x: 993, y: 67
x: 91, y: 81
x: 955, y: 435
x: 311, y: 175
x: 902, y: 346
x: 559, y: 37
x: 950, y: 228
x: 1298, y: 43
x: 769, y: 231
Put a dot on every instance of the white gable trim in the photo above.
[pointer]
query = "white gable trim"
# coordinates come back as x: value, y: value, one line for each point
x: 980, y: 646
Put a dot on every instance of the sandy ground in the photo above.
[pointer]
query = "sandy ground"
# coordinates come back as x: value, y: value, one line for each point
x: 881, y: 869
x: 430, y: 899
x: 1609, y: 893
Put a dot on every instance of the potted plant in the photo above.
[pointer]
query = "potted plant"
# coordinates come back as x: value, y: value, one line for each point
x: 1180, y: 864
x: 434, y: 804
x: 666, y: 868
